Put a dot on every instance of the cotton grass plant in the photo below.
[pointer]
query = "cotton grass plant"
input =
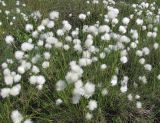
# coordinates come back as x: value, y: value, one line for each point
x: 103, y: 68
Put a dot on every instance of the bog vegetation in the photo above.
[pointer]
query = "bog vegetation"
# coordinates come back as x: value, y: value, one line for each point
x: 79, y: 61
